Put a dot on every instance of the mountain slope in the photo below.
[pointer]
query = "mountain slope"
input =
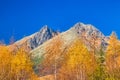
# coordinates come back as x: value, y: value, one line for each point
x: 86, y: 33
x: 78, y: 30
x: 35, y: 39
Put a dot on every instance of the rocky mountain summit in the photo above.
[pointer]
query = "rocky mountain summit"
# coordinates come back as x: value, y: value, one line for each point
x: 36, y: 39
x: 89, y: 33
x: 40, y: 37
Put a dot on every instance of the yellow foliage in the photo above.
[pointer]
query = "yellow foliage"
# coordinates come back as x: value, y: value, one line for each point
x: 21, y: 61
x: 52, y: 57
x: 15, y: 65
x: 5, y: 58
x: 79, y: 62
x: 113, y: 53
x: 114, y: 45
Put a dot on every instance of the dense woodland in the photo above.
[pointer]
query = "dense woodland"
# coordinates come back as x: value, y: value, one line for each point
x: 75, y: 62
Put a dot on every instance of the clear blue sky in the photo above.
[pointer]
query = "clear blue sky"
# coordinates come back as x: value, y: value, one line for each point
x: 19, y: 18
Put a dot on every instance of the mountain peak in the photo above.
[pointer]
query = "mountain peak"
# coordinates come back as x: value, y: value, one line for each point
x: 87, y: 28
x: 88, y: 31
x: 37, y: 38
x: 43, y: 35
x: 79, y: 24
x: 45, y: 27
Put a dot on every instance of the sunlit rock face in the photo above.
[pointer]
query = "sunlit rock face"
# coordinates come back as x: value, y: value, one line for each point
x: 40, y: 37
x: 89, y: 33
x: 35, y: 40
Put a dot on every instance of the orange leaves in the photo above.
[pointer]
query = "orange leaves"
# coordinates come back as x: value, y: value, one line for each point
x: 52, y: 57
x: 54, y: 49
x: 4, y: 54
x: 113, y: 52
x: 21, y: 61
x: 79, y: 54
x: 15, y: 65
x: 113, y: 56
x: 114, y: 45
x: 79, y: 62
x: 5, y: 58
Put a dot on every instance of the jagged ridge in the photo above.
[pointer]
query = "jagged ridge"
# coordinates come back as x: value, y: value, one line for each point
x: 36, y: 39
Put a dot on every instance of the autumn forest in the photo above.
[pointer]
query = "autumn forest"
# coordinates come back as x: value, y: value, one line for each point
x: 77, y: 61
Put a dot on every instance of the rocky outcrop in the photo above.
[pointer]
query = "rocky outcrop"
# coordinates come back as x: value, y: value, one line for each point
x: 35, y: 39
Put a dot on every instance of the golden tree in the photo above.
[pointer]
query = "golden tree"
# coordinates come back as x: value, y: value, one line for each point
x: 5, y: 64
x: 21, y: 65
x: 78, y: 63
x: 15, y: 65
x: 113, y: 56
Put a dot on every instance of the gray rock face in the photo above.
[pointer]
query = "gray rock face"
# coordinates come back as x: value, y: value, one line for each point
x: 40, y: 37
x: 36, y: 39
x: 89, y: 29
x: 90, y: 32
